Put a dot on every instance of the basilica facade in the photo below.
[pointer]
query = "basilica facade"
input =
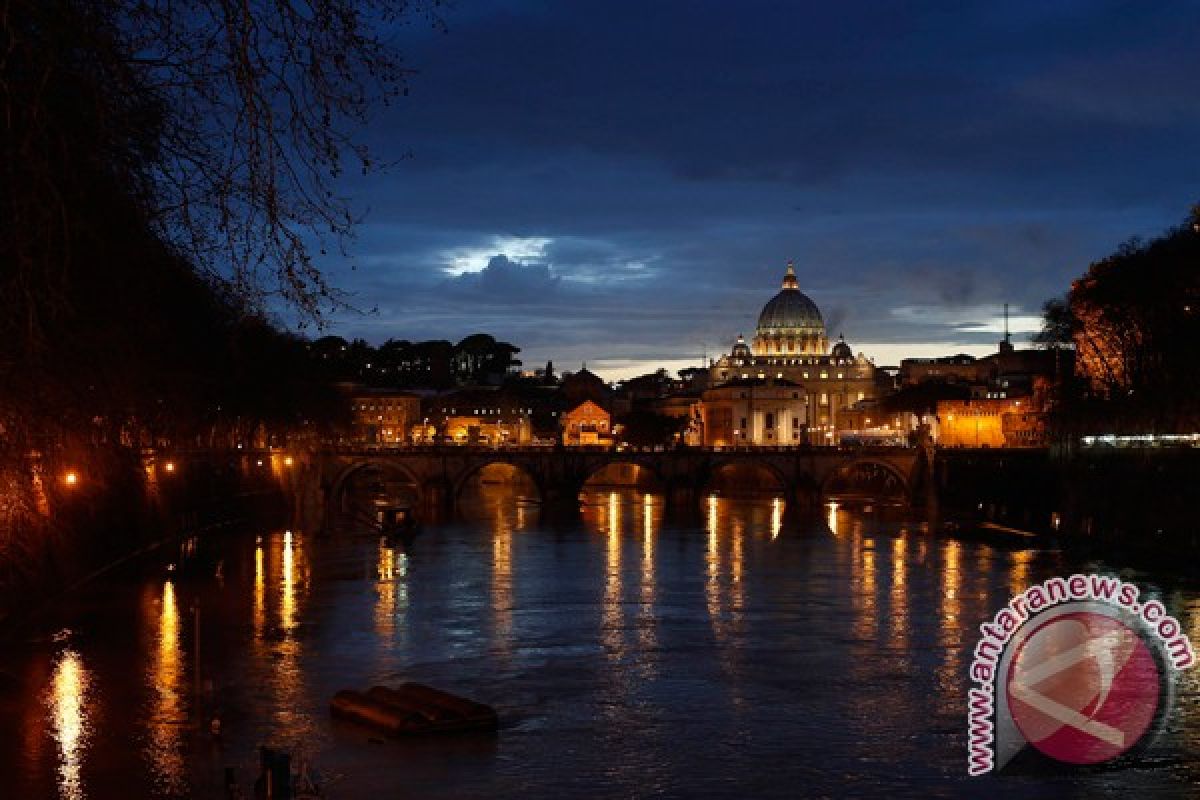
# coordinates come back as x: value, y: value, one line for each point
x: 787, y: 386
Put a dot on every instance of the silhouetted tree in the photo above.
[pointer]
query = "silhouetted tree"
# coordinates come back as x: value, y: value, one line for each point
x: 1133, y: 320
x: 649, y: 429
x: 224, y: 122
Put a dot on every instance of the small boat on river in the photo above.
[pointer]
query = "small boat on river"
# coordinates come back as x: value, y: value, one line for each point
x: 996, y: 534
x: 397, y: 521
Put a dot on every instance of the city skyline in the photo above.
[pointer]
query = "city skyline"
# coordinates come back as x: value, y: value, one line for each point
x: 587, y: 186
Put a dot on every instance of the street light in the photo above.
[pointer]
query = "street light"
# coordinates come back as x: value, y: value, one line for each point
x: 71, y: 478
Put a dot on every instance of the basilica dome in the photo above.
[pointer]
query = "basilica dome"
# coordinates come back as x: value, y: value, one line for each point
x: 790, y: 323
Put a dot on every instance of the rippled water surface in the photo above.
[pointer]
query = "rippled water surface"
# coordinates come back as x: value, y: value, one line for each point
x: 628, y: 655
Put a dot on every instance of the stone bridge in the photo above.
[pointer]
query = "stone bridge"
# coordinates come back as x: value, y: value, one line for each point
x: 804, y: 475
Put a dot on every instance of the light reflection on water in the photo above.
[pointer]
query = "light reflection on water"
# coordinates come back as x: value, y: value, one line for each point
x: 898, y: 622
x: 287, y: 677
x: 71, y: 727
x: 167, y: 682
x: 631, y: 652
x: 260, y: 594
x: 950, y: 624
x: 647, y: 637
x: 613, y: 622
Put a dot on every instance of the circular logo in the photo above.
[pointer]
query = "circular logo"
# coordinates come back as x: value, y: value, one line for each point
x: 1083, y: 688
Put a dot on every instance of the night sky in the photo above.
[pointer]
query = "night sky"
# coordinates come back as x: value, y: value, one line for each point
x: 623, y: 182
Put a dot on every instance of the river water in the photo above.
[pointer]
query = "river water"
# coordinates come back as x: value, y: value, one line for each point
x: 629, y: 655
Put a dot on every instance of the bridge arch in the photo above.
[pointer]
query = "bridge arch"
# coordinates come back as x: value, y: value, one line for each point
x: 338, y: 485
x: 476, y: 469
x: 868, y: 476
x: 335, y: 495
x: 762, y: 465
x: 654, y: 478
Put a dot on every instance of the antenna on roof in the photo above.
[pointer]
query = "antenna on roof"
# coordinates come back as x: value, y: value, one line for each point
x: 1006, y: 343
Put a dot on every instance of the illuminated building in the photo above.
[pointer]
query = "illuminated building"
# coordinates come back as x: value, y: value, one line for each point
x: 586, y: 424
x: 479, y: 416
x: 973, y: 423
x: 382, y: 416
x: 961, y: 368
x: 787, y: 386
x: 995, y: 421
x: 755, y: 411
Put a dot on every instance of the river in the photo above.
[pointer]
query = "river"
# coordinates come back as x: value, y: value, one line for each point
x: 629, y: 655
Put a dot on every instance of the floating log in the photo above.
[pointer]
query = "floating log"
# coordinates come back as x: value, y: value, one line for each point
x: 443, y: 711
x: 430, y: 712
x: 468, y: 709
x: 993, y: 527
x: 365, y: 710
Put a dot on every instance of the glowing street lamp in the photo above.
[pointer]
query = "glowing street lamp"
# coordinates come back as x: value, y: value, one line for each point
x: 169, y: 466
x: 287, y: 461
x: 71, y: 478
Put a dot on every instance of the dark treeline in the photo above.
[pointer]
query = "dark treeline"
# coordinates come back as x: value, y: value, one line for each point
x: 1133, y: 320
x: 479, y: 359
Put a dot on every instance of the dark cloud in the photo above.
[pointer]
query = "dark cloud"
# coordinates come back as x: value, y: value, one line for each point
x: 920, y: 162
x: 504, y: 281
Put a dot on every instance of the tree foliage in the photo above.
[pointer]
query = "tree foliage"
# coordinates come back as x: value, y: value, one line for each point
x: 165, y: 169
x: 1134, y: 321
x: 225, y: 124
x: 397, y: 363
x: 650, y: 429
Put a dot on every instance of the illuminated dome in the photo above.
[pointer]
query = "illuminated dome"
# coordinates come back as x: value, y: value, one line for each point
x: 790, y: 323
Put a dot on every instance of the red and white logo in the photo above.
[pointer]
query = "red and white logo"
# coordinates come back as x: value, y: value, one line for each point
x: 1083, y: 688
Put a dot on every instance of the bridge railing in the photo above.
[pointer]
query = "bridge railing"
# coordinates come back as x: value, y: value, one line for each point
x: 403, y: 449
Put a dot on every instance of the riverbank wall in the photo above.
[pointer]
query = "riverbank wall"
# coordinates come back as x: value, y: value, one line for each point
x: 124, y: 504
x: 1124, y: 498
